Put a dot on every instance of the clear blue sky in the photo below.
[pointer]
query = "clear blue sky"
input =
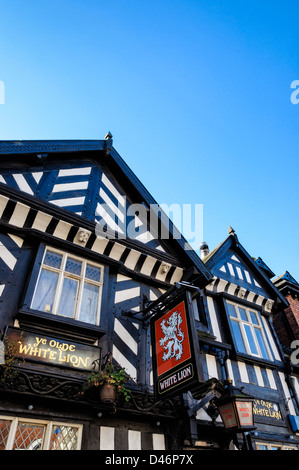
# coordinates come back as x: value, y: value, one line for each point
x: 195, y: 92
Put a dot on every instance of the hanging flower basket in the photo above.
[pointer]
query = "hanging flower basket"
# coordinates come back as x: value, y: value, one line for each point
x: 107, y: 393
x: 111, y: 382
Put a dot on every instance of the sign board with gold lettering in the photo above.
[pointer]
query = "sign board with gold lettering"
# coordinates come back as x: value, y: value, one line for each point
x: 264, y: 410
x: 39, y: 348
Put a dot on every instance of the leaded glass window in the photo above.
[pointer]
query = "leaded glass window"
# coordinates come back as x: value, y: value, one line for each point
x: 63, y: 438
x: 4, y: 432
x: 27, y: 434
x: 69, y: 286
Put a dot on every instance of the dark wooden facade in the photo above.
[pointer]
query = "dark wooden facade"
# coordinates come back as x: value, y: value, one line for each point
x: 52, y: 196
x: 238, y: 340
x: 52, y: 200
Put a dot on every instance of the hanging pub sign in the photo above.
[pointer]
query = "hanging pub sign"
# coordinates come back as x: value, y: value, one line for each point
x: 39, y: 348
x: 173, y: 336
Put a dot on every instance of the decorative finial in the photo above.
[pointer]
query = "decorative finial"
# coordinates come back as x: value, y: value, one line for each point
x: 108, y: 143
x: 231, y: 230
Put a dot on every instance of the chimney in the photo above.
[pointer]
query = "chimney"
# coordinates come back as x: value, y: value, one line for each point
x: 204, y: 249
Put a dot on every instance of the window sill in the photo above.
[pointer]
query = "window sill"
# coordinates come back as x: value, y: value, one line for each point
x: 66, y: 328
x: 257, y: 360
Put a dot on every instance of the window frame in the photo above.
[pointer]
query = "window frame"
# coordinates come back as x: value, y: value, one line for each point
x: 280, y: 446
x: 252, y: 327
x: 62, y: 274
x: 48, y: 430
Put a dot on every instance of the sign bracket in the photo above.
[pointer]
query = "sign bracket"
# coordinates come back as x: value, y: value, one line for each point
x: 162, y: 302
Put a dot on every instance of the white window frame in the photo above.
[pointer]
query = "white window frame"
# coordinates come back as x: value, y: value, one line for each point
x: 252, y: 327
x: 62, y: 274
x: 47, y: 436
x: 268, y: 446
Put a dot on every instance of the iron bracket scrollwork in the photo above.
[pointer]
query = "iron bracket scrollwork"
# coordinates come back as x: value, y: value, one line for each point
x: 44, y: 385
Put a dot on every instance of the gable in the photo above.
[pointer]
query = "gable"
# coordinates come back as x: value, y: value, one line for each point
x: 73, y: 185
x: 89, y: 190
x: 231, y: 263
x: 232, y: 269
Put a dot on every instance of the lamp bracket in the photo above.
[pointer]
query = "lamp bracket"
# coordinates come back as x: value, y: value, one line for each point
x: 196, y: 405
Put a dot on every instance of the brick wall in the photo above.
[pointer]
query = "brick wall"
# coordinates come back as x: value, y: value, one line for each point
x: 292, y: 313
x: 292, y: 317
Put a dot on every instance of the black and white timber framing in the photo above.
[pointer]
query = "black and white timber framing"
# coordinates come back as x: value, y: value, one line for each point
x: 53, y: 194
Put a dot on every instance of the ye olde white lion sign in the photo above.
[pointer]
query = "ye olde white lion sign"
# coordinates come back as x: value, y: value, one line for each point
x: 174, y: 363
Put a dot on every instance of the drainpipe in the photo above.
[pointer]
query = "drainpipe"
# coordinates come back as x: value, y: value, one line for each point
x: 222, y: 357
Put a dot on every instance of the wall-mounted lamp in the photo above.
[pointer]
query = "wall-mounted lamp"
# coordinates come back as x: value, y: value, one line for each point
x: 236, y: 409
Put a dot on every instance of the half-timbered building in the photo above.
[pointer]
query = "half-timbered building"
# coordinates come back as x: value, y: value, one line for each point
x: 84, y: 274
x: 79, y: 267
x: 239, y: 343
x: 286, y: 325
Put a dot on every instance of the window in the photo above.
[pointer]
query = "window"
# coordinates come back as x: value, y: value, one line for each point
x: 68, y: 286
x: 27, y: 434
x: 248, y: 331
x: 267, y: 446
x: 199, y: 310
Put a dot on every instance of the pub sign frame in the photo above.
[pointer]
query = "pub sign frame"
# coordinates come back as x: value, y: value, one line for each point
x: 174, y: 348
x: 52, y: 351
